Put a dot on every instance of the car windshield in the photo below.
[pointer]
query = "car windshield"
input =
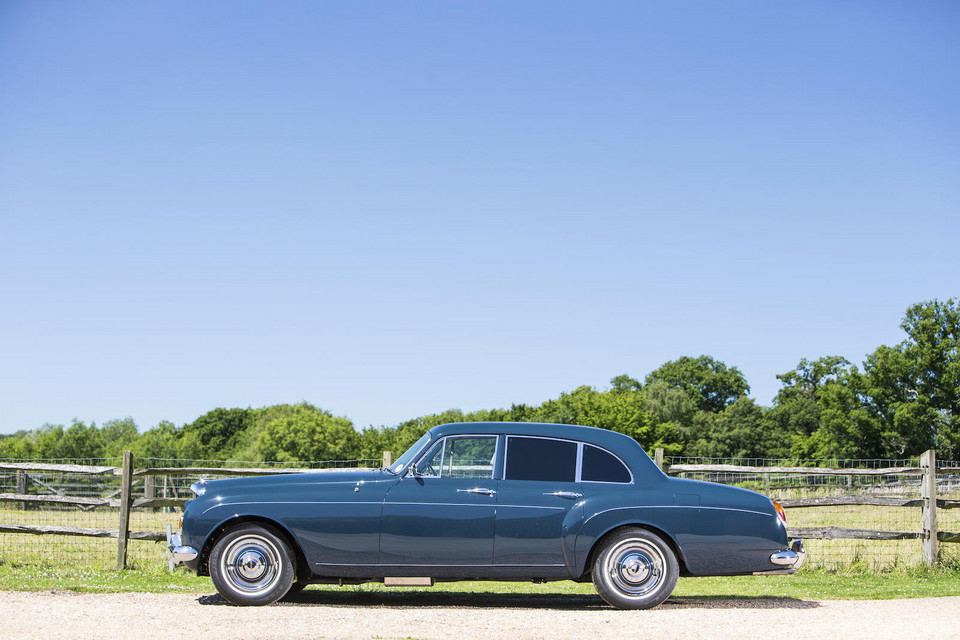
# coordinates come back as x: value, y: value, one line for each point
x: 408, y: 456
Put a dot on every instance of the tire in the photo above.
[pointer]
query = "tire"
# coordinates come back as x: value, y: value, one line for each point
x: 252, y: 565
x: 296, y: 588
x: 635, y: 569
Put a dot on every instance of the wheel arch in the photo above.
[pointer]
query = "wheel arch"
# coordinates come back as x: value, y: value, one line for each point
x: 662, y: 534
x: 302, y: 567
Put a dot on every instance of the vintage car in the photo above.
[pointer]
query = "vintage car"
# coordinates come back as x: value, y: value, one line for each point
x: 484, y: 501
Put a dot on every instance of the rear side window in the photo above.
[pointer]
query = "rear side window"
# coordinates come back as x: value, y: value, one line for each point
x: 541, y: 459
x: 602, y: 466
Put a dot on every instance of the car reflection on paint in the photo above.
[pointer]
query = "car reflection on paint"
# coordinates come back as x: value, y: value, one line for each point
x: 484, y: 501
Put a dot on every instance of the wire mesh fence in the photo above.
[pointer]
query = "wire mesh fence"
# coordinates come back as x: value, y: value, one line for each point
x: 895, y: 480
x: 900, y: 481
x: 97, y: 547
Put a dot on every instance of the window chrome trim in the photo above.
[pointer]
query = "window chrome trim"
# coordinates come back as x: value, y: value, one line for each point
x: 506, y: 450
x: 578, y: 476
x: 618, y: 458
x: 493, y: 464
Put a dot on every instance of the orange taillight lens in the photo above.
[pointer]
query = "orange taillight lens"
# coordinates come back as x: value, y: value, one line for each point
x: 780, y: 511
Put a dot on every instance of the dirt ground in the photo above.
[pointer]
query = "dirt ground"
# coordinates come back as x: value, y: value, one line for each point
x: 317, y: 614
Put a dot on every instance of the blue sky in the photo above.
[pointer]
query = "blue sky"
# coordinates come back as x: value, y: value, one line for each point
x: 389, y: 209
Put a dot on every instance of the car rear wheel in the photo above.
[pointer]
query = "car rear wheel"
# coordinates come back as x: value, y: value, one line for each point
x: 635, y: 569
x: 252, y: 565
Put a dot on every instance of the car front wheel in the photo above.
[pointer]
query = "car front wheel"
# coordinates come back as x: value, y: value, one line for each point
x: 635, y: 569
x: 252, y: 565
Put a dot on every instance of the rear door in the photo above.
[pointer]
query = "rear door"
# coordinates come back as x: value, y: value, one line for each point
x: 537, y: 500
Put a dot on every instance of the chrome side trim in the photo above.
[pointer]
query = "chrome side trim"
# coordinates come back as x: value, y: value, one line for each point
x: 677, y: 506
x: 406, y: 504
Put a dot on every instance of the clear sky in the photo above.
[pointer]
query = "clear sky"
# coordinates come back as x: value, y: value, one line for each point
x: 394, y: 208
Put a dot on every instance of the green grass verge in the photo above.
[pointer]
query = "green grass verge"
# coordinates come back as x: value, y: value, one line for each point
x: 807, y: 585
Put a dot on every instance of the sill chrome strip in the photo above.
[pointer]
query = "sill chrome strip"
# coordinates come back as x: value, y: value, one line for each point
x: 387, y: 566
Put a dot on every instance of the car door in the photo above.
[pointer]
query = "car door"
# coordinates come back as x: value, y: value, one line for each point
x: 537, y: 501
x: 442, y: 513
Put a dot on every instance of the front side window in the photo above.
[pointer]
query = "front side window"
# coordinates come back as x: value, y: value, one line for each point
x: 541, y: 459
x: 460, y: 457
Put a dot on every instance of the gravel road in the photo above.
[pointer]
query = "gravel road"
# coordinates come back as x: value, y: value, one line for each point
x: 316, y: 614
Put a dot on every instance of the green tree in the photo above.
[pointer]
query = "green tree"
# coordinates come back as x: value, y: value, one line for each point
x: 77, y: 441
x: 711, y: 384
x: 161, y: 441
x: 118, y: 436
x: 913, y: 389
x: 216, y: 435
x: 620, y: 409
x: 18, y: 445
x: 305, y: 433
x: 797, y: 408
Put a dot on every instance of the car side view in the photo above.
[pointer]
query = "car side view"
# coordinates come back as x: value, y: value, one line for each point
x: 484, y: 501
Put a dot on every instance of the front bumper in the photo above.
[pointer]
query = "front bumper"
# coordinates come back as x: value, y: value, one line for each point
x: 791, y: 559
x: 180, y: 554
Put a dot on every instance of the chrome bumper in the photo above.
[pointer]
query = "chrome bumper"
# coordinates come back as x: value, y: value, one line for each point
x: 792, y: 558
x: 179, y: 554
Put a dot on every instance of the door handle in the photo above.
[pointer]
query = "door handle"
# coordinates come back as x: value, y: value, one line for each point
x: 478, y: 490
x: 569, y: 495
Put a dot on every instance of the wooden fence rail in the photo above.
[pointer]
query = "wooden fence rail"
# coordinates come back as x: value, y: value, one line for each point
x: 927, y: 501
x: 125, y: 502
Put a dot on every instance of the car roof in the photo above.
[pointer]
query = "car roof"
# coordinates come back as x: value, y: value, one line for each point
x: 624, y: 446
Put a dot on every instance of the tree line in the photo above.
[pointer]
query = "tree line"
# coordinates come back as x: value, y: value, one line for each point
x: 899, y: 402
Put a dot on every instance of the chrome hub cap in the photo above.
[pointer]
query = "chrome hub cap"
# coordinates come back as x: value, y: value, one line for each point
x: 251, y: 564
x: 635, y: 567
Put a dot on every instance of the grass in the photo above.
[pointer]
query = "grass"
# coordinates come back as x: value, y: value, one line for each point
x: 816, y: 584
x: 836, y: 569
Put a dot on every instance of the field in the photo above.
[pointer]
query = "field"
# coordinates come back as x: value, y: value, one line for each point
x: 837, y: 569
x: 100, y: 553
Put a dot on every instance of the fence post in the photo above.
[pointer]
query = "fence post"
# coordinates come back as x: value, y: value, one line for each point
x: 22, y: 486
x: 387, y: 459
x: 658, y: 458
x: 123, y: 528
x: 928, y: 492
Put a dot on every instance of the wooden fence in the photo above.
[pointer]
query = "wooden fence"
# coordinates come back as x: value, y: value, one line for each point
x: 927, y: 501
x: 126, y: 500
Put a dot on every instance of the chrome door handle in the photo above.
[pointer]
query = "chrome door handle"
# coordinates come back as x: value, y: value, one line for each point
x: 569, y: 495
x: 479, y: 491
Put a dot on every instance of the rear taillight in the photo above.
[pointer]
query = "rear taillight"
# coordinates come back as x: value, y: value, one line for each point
x: 780, y: 511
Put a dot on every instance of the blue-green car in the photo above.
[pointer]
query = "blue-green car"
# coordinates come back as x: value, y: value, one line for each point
x: 484, y: 501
